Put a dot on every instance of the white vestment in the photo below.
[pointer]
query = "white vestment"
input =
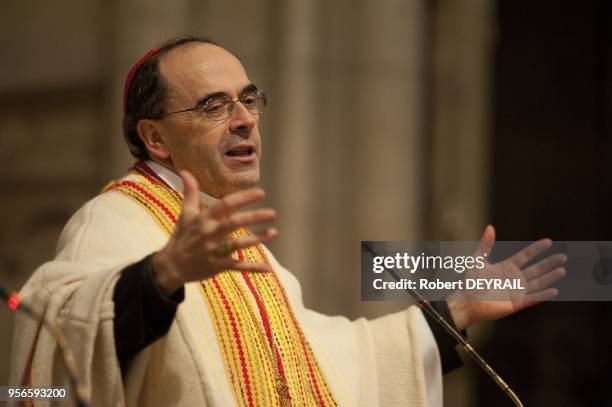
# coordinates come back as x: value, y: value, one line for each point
x: 389, y: 361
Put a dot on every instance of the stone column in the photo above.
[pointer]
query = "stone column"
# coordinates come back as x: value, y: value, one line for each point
x: 462, y: 64
x: 133, y: 28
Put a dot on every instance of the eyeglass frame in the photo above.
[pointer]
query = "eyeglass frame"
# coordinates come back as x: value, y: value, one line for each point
x: 259, y: 95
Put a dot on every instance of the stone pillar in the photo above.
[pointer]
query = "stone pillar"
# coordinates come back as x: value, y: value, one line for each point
x: 348, y: 147
x: 134, y: 27
x: 462, y: 63
x: 462, y: 57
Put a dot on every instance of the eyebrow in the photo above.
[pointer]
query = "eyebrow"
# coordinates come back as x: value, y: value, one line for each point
x: 251, y: 87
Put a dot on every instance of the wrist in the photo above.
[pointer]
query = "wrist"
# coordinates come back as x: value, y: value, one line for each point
x: 165, y: 274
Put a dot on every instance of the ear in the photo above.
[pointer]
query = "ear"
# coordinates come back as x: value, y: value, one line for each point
x: 151, y: 134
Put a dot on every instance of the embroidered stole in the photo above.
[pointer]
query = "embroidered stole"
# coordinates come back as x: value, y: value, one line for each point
x: 268, y: 361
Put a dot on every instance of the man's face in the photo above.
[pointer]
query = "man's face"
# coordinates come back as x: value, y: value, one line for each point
x: 222, y: 155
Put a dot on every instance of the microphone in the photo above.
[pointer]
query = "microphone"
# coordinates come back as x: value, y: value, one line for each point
x: 13, y: 301
x: 425, y: 305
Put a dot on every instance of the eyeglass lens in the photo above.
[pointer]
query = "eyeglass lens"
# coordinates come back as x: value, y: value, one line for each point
x: 220, y: 108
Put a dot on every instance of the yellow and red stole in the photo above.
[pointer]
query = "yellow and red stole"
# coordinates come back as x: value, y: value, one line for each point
x: 267, y: 358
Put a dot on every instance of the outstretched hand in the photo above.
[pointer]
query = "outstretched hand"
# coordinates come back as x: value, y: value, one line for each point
x: 468, y: 308
x: 200, y: 246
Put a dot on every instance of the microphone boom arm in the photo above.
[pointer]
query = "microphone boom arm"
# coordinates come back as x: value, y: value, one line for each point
x: 67, y: 355
x: 425, y: 305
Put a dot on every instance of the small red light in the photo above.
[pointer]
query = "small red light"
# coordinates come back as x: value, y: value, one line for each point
x: 13, y: 301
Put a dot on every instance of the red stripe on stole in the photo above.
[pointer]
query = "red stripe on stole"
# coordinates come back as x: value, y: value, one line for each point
x: 247, y: 382
x: 304, y: 347
x: 146, y: 171
x: 264, y: 319
x: 150, y: 197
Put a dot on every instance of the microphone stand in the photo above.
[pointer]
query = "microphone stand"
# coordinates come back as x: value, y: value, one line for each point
x: 14, y: 302
x: 425, y: 305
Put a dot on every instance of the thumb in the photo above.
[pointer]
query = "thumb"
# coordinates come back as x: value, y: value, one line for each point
x: 191, y: 203
x: 487, y: 241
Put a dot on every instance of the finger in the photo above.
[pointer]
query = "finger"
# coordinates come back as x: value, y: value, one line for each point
x: 247, y: 218
x: 225, y: 248
x: 538, y: 297
x: 254, y: 239
x: 231, y: 264
x: 191, y: 202
x: 545, y: 265
x: 487, y: 241
x: 545, y: 280
x: 527, y: 254
x: 234, y: 201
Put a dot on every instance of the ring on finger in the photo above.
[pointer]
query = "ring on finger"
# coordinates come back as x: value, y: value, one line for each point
x: 223, y: 249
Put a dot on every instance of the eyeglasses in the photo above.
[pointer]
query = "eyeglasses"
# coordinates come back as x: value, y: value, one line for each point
x: 220, y: 107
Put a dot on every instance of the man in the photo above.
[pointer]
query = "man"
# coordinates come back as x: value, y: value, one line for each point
x: 171, y: 233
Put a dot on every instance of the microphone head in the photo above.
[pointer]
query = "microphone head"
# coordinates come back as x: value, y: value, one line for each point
x: 12, y: 300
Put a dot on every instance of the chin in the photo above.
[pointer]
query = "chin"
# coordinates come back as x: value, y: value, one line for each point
x: 243, y: 180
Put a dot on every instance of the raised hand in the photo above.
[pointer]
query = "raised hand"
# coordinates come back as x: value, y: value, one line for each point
x: 468, y: 307
x: 200, y: 246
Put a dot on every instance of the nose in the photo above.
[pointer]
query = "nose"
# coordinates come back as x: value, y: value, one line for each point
x: 241, y: 121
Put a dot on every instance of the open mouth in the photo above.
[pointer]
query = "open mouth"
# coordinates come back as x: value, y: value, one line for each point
x: 240, y: 152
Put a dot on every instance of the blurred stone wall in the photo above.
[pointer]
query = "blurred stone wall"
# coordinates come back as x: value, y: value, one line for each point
x: 370, y: 103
